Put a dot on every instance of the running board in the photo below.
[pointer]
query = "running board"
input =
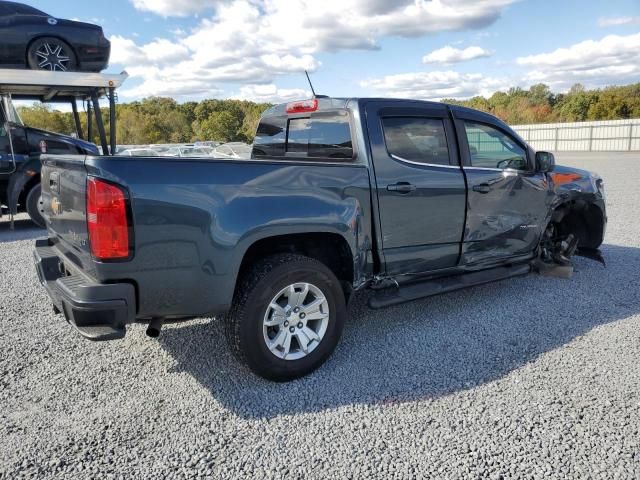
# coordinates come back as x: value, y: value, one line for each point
x: 437, y: 286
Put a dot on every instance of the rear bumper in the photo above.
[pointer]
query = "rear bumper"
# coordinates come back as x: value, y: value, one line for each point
x: 98, y: 311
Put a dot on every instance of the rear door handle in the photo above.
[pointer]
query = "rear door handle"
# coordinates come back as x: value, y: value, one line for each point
x: 482, y: 188
x: 401, y: 187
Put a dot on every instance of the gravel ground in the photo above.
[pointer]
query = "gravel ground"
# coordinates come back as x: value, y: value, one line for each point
x: 528, y: 378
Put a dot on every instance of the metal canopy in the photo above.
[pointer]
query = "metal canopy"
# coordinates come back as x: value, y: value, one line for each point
x: 48, y: 86
x: 45, y: 86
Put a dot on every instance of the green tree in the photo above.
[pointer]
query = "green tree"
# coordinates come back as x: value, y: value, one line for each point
x: 223, y: 126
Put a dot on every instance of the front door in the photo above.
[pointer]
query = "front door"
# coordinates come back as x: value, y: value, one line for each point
x: 508, y: 200
x: 419, y: 184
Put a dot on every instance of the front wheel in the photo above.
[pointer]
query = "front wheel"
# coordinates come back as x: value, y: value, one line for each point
x: 287, y: 317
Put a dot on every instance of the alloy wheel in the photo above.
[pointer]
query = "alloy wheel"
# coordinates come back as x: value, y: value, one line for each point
x: 296, y: 321
x: 53, y: 57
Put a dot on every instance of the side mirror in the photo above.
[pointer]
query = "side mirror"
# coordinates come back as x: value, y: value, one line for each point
x: 545, y: 162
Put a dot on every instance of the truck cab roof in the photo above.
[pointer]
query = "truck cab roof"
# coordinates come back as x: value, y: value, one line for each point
x: 333, y: 103
x: 320, y: 104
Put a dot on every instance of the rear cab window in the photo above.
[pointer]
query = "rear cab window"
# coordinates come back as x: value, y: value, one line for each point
x: 323, y: 135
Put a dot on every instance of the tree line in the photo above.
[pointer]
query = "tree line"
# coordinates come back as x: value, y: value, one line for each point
x: 160, y: 120
x: 163, y: 120
x: 539, y: 104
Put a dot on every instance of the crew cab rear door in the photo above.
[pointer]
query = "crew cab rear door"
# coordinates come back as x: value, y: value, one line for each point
x: 419, y: 184
x: 508, y: 201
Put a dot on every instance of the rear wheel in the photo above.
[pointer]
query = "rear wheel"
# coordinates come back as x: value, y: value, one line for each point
x: 53, y: 54
x: 33, y: 205
x: 287, y: 316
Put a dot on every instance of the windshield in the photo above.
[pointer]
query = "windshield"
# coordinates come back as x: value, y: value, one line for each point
x: 9, y: 112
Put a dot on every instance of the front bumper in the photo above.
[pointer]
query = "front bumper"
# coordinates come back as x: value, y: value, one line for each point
x: 99, y: 311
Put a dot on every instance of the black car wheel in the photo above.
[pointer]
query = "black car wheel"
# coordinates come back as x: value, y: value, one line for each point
x: 33, y: 206
x: 49, y: 53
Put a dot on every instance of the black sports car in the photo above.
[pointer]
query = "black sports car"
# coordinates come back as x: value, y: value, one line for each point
x: 30, y: 38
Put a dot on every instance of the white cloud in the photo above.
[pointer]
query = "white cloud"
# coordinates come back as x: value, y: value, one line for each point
x: 174, y: 8
x: 125, y: 51
x: 617, y: 21
x: 269, y: 93
x: 610, y: 60
x: 180, y: 89
x: 449, y: 54
x: 435, y: 85
x: 254, y: 41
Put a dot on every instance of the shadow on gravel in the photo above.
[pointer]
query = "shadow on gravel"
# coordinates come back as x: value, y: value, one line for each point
x: 24, y: 229
x: 427, y: 348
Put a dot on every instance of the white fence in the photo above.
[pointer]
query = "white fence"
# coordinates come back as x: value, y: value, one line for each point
x: 607, y: 135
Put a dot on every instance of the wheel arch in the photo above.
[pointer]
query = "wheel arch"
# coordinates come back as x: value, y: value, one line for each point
x: 32, y: 182
x: 586, y: 220
x: 331, y: 249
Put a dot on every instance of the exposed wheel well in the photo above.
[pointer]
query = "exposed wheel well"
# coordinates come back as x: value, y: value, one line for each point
x: 584, y: 220
x: 329, y: 248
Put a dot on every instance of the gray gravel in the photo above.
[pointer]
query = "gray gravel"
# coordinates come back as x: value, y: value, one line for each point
x: 528, y: 378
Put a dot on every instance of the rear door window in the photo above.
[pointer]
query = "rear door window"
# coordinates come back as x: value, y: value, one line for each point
x: 416, y: 139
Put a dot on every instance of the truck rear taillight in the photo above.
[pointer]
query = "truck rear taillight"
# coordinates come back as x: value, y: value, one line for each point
x: 107, y: 221
x: 302, y: 106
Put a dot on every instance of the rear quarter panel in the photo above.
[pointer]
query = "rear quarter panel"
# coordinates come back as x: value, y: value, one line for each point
x: 195, y: 218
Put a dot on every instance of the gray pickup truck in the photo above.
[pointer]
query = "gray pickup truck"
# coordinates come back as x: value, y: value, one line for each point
x: 408, y: 198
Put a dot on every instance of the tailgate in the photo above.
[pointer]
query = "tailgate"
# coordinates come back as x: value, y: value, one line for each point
x: 64, y: 184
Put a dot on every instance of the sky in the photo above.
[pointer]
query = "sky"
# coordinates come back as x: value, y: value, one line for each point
x: 423, y: 49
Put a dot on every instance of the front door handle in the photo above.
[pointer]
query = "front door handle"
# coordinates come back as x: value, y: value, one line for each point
x: 401, y: 187
x: 482, y: 188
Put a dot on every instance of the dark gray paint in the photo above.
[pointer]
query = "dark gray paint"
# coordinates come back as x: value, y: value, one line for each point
x: 195, y: 219
x: 421, y: 229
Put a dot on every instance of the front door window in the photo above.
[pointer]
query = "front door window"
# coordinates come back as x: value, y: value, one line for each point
x: 491, y: 148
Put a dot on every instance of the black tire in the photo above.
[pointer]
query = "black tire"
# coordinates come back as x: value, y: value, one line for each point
x: 244, y: 323
x: 59, y: 53
x: 33, y: 205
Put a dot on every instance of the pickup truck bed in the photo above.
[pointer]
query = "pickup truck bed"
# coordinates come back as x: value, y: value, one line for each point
x: 411, y: 198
